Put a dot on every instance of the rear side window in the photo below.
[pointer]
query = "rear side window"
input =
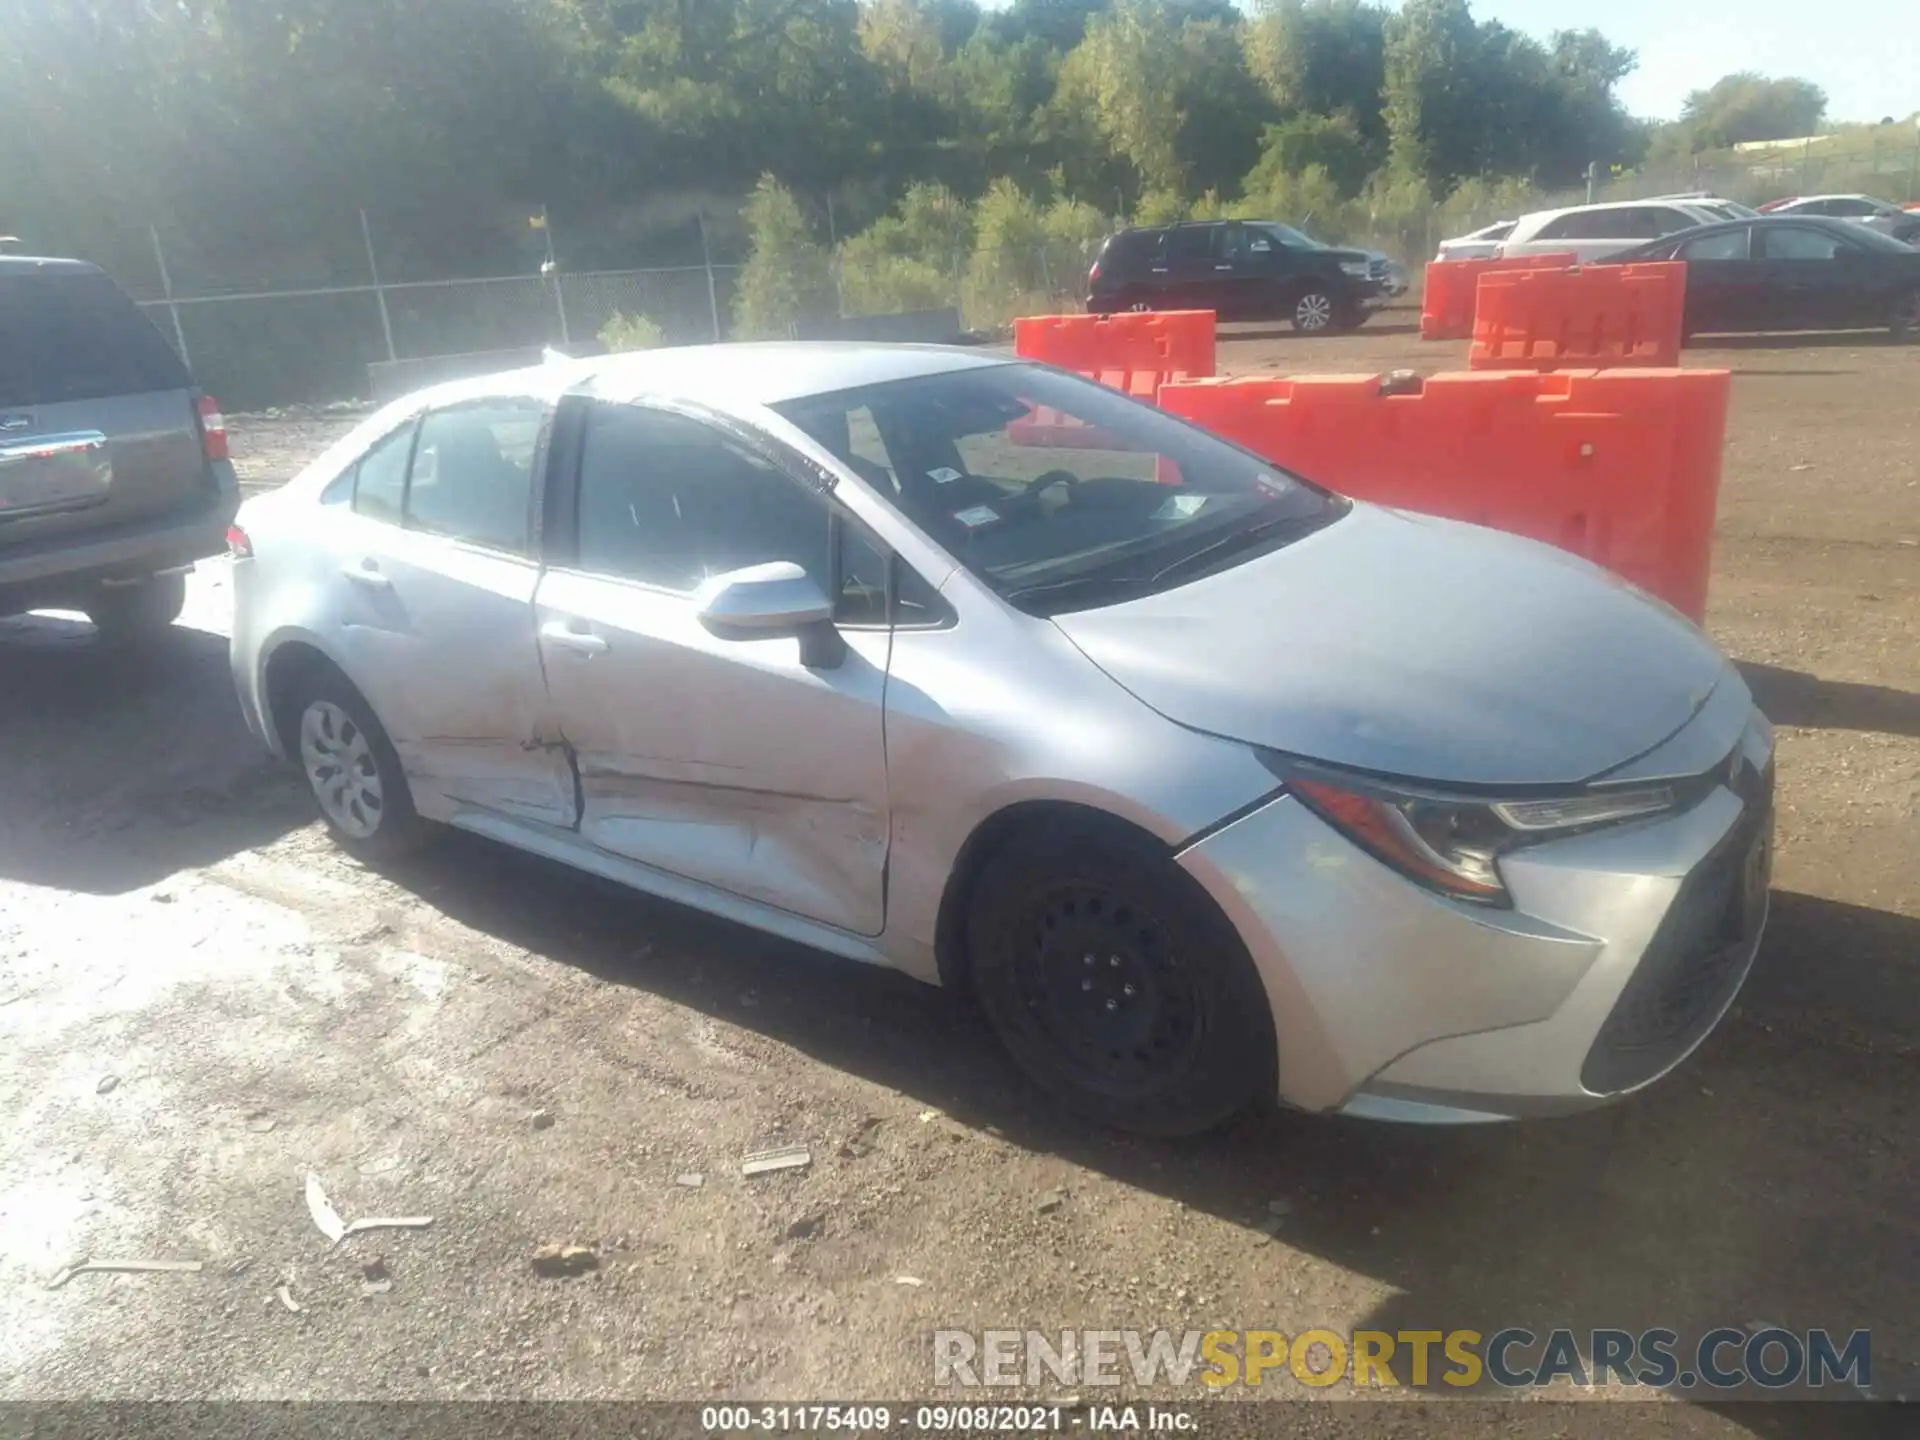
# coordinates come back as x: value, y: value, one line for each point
x: 1190, y: 243
x: 1729, y: 245
x: 380, y: 479
x: 76, y: 336
x: 472, y: 476
x: 1130, y: 251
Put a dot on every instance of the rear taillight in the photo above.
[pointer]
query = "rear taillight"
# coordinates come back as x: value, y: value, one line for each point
x: 213, y: 428
x: 1094, y: 274
x: 238, y: 545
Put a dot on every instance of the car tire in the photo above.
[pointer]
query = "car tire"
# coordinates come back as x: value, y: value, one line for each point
x: 126, y: 613
x: 1315, y: 310
x: 1904, y: 321
x: 1114, y: 982
x: 352, y: 771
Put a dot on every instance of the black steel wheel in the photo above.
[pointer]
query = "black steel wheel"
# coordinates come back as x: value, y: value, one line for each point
x: 1115, y: 983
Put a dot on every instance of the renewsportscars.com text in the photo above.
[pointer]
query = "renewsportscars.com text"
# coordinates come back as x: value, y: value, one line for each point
x: 1728, y: 1358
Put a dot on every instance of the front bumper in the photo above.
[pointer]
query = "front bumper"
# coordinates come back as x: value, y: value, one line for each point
x: 1623, y: 949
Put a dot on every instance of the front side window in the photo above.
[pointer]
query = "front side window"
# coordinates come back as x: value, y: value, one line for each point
x: 1058, y: 492
x: 1190, y: 244
x: 472, y: 476
x: 671, y: 501
x: 1802, y: 242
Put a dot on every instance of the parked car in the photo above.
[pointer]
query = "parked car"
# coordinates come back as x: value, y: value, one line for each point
x: 1715, y: 206
x: 1881, y: 215
x: 1788, y: 272
x: 1210, y: 785
x: 1481, y: 244
x: 1591, y: 231
x: 1242, y: 270
x: 114, y: 477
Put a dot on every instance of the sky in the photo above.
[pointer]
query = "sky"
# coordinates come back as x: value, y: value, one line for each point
x: 1864, y: 53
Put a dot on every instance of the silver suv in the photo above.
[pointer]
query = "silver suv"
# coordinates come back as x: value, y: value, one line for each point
x: 114, y: 476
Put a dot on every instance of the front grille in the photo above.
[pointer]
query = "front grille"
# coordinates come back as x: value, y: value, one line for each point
x: 1697, y: 958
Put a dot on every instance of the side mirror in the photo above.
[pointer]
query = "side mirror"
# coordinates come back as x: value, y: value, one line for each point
x: 765, y: 602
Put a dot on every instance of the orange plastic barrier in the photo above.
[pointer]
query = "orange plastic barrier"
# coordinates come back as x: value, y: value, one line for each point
x: 1446, y: 300
x: 1132, y: 353
x: 1619, y: 466
x: 1599, y: 315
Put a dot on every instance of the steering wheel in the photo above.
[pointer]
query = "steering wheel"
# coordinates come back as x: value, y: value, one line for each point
x: 1048, y: 481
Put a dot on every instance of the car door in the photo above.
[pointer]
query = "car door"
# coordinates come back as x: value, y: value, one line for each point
x: 1813, y: 278
x: 436, y: 573
x: 1723, y: 283
x: 1244, y: 267
x: 727, y: 761
x: 1192, y: 282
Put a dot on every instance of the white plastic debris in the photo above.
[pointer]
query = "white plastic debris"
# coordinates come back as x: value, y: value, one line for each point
x: 787, y: 1157
x: 124, y: 1267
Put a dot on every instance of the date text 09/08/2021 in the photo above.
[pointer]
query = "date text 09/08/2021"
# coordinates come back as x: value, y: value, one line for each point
x: 945, y: 1419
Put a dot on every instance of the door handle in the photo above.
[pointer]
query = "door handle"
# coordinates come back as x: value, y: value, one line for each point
x: 1223, y: 267
x: 368, y: 574
x: 564, y: 637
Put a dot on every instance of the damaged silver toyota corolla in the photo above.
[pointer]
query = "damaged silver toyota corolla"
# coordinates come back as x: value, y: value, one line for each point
x: 1209, y: 784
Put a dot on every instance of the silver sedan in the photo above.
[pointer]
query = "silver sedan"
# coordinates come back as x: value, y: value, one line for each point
x: 1210, y: 786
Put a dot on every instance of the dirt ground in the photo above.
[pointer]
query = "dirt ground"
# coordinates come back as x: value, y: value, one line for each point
x: 202, y: 1002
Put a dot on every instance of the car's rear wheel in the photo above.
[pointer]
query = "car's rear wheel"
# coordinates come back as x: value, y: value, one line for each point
x: 140, y: 611
x: 1314, y: 311
x: 353, y: 772
x: 1904, y: 322
x: 1114, y: 982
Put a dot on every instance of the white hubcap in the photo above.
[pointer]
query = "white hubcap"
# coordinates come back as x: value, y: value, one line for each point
x: 1314, y: 312
x: 341, y: 769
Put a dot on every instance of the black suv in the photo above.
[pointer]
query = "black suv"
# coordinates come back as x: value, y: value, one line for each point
x: 1239, y: 269
x: 114, y: 476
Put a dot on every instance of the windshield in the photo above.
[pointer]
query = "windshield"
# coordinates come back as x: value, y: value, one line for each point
x: 1862, y: 234
x: 1057, y: 492
x: 1287, y: 235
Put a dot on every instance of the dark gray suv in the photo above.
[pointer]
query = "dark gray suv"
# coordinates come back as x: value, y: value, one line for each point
x: 114, y: 476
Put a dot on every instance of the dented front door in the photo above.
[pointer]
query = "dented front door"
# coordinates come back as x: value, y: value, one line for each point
x: 722, y: 761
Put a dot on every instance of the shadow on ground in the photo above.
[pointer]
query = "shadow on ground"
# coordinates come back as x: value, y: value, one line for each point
x: 125, y: 765
x: 1793, y: 697
x: 1770, y: 1179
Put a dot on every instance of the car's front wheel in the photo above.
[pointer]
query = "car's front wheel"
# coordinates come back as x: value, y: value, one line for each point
x: 353, y: 772
x: 1314, y: 310
x: 124, y: 613
x: 1114, y: 982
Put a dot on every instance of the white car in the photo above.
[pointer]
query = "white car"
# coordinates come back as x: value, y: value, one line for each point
x: 1211, y: 786
x: 1481, y: 244
x: 1593, y: 231
x: 1881, y: 215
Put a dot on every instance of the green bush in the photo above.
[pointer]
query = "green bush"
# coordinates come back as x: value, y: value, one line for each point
x: 624, y: 332
x: 788, y: 278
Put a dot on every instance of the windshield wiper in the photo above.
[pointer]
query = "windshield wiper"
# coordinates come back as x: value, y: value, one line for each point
x: 1241, y: 540
x: 1075, y: 585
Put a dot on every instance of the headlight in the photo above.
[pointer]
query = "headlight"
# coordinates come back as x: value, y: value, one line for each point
x: 1453, y: 843
x: 1353, y: 267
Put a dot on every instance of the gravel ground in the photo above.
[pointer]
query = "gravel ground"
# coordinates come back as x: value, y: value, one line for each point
x: 202, y: 1002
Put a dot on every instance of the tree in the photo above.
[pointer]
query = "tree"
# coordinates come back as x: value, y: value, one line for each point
x: 1744, y: 106
x: 1323, y: 57
x: 1428, y: 91
x: 1330, y: 142
x: 787, y: 279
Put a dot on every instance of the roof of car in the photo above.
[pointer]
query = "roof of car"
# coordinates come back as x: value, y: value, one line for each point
x: 1668, y: 201
x: 44, y: 265
x: 727, y: 377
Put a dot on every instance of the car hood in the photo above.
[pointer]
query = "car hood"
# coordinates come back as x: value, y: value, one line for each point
x: 1416, y: 647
